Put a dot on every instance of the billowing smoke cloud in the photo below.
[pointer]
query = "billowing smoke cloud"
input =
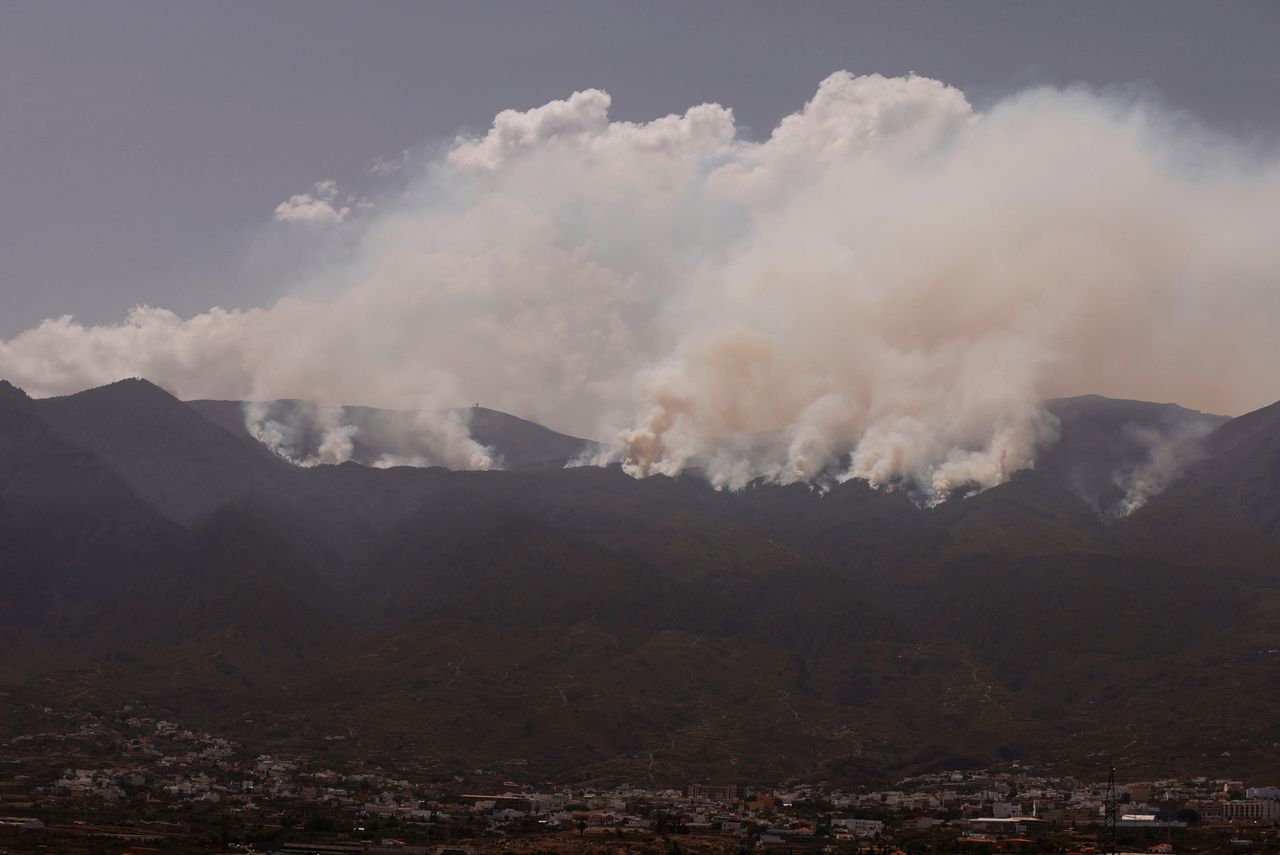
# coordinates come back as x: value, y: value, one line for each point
x: 318, y: 206
x: 436, y: 438
x: 886, y: 288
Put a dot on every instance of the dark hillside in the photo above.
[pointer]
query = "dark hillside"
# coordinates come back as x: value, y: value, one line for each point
x: 595, y: 625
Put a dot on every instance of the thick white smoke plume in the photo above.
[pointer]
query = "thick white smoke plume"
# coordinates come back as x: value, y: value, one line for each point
x: 885, y: 288
x: 286, y: 434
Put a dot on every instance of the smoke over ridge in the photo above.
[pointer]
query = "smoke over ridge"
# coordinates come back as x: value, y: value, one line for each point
x: 886, y: 288
x: 1168, y: 452
x: 307, y: 435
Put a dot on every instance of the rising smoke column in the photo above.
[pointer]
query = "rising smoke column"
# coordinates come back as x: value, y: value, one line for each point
x: 884, y: 289
x: 1168, y: 453
x: 290, y: 433
x: 307, y: 435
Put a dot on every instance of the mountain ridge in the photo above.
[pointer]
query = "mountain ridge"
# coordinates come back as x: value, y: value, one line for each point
x: 519, y: 443
x: 849, y: 632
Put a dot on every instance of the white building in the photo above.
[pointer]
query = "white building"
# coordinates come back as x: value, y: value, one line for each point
x: 1265, y: 810
x: 861, y: 827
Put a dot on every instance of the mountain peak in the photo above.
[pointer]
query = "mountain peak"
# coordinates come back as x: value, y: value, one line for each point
x: 169, y: 454
x: 10, y: 392
x: 130, y: 389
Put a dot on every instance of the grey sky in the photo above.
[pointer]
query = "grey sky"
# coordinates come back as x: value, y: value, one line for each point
x: 143, y: 145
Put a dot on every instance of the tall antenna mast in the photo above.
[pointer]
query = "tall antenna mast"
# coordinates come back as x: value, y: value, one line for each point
x: 1110, y: 820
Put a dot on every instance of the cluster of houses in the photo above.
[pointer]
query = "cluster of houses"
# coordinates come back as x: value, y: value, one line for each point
x: 184, y: 780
